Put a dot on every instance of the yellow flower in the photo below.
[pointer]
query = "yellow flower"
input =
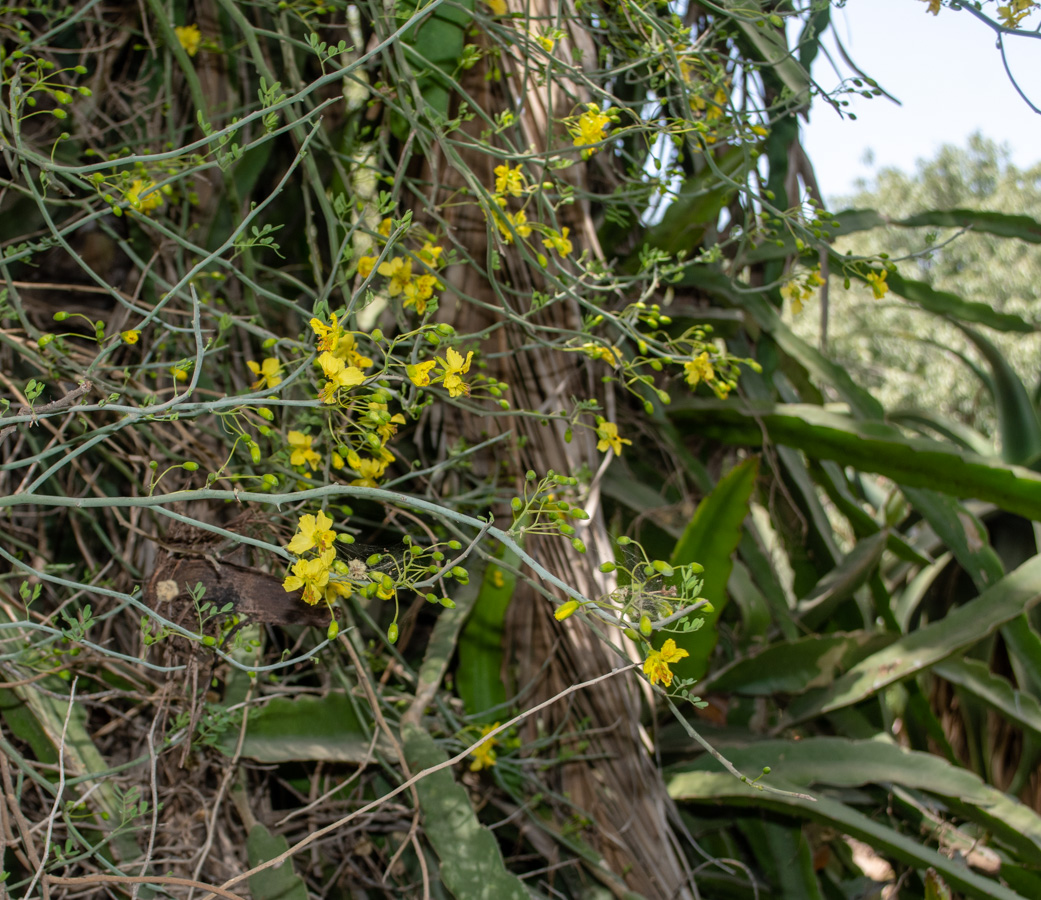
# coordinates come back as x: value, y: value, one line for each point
x: 455, y: 366
x: 399, y: 271
x: 509, y: 181
x: 365, y: 266
x: 302, y: 454
x: 547, y: 43
x: 369, y: 470
x: 519, y: 221
x: 313, y: 531
x: 934, y: 6
x: 180, y: 373
x: 1012, y: 14
x: 418, y: 291
x: 656, y: 665
x: 610, y: 355
x: 877, y: 280
x: 131, y: 336
x: 153, y: 199
x: 347, y: 350
x: 699, y: 369
x: 607, y: 432
x: 312, y: 575
x: 590, y: 129
x: 431, y: 255
x: 379, y: 418
x: 559, y: 242
x: 484, y: 754
x: 328, y: 335
x: 385, y: 227
x: 339, y: 375
x: 270, y: 372
x: 189, y: 37
x: 497, y: 6
x: 419, y: 374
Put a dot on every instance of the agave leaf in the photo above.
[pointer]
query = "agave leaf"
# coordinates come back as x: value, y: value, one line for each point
x: 280, y: 882
x: 870, y: 447
x: 976, y: 678
x: 716, y: 789
x: 793, y: 667
x: 472, y: 866
x: 1017, y: 416
x: 960, y: 629
x: 478, y: 674
x: 711, y: 539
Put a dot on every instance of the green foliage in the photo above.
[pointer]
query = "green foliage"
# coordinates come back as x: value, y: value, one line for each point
x: 362, y: 274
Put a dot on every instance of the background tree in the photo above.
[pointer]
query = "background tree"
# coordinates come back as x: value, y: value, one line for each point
x: 909, y: 358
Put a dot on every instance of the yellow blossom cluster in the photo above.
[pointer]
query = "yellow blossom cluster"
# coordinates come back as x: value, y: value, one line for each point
x: 700, y: 369
x: 589, y: 129
x: 877, y: 282
x: 1014, y: 12
x: 799, y: 289
x: 510, y: 181
x: 484, y: 754
x: 339, y: 359
x: 450, y: 370
x: 313, y: 575
x: 412, y: 277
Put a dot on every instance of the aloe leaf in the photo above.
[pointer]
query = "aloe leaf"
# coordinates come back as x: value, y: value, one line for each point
x: 715, y: 789
x: 478, y: 674
x: 784, y: 854
x: 1017, y: 416
x: 841, y: 763
x: 960, y: 629
x: 840, y: 583
x: 976, y: 678
x: 793, y: 667
x: 279, y: 882
x: 711, y: 539
x: 302, y: 728
x: 472, y: 867
x: 945, y: 303
x: 870, y: 447
x: 698, y: 202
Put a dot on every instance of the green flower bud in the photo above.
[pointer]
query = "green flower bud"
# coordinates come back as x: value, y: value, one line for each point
x: 190, y: 466
x: 333, y: 630
x: 645, y: 626
x: 266, y: 413
x: 392, y: 633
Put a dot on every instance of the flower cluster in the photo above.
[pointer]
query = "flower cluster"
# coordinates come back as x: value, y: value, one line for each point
x: 1014, y: 12
x: 189, y: 37
x: 801, y: 287
x: 877, y: 283
x: 410, y: 278
x: 590, y: 128
x: 484, y: 754
x: 314, y: 575
x: 453, y: 366
x: 339, y: 358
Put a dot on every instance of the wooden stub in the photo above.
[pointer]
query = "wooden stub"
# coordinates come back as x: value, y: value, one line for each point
x: 255, y: 596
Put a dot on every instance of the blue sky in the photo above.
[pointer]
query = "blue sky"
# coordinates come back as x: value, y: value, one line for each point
x: 948, y: 75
